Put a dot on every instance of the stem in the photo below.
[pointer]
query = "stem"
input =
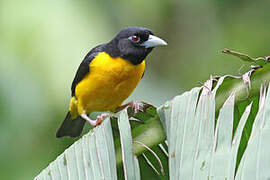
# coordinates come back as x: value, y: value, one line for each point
x: 260, y: 60
x: 258, y: 77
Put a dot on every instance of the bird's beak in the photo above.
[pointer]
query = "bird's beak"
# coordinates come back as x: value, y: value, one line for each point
x: 153, y: 41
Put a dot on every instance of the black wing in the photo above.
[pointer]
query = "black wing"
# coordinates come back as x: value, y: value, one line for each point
x: 84, y: 67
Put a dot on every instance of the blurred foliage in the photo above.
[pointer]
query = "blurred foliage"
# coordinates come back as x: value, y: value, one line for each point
x: 43, y: 42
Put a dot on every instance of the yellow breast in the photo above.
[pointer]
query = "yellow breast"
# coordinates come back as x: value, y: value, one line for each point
x: 109, y: 82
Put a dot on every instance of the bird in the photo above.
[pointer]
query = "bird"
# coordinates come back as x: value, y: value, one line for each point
x: 107, y: 76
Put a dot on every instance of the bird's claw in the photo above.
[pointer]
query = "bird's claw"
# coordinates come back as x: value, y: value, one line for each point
x: 100, y: 118
x: 136, y: 106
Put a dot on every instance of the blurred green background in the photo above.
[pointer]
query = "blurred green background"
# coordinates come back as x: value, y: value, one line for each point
x: 43, y: 42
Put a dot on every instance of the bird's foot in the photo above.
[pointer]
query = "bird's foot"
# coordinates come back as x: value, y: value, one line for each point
x: 96, y: 122
x: 135, y: 106
x: 101, y: 117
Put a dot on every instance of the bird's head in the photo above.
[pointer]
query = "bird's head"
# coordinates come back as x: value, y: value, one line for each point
x: 133, y: 44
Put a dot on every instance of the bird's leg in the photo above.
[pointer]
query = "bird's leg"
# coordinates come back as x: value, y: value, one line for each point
x: 135, y: 105
x: 92, y: 122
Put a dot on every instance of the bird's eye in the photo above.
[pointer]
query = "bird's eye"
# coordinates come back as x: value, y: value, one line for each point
x: 135, y: 38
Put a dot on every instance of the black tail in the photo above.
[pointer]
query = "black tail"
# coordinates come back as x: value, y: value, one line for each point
x: 71, y: 127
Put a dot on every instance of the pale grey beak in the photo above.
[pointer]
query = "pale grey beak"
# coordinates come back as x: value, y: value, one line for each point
x: 153, y: 41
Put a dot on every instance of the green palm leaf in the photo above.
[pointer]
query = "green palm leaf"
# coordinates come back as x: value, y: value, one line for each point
x: 91, y: 157
x: 209, y: 129
x: 199, y: 149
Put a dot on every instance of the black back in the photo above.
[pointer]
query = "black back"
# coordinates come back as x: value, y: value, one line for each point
x: 84, y: 67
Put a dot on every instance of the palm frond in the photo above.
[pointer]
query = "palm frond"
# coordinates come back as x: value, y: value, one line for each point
x: 209, y: 129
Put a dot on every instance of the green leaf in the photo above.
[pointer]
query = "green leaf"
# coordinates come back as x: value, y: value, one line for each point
x: 210, y: 131
x: 130, y: 162
x: 197, y: 148
x: 256, y: 159
x: 91, y: 157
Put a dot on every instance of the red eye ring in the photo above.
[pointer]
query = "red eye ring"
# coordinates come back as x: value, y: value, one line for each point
x: 135, y: 38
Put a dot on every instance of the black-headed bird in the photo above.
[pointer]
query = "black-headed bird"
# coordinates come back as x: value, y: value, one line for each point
x: 107, y: 76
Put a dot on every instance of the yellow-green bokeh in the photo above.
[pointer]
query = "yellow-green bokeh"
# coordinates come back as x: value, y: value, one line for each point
x: 43, y: 42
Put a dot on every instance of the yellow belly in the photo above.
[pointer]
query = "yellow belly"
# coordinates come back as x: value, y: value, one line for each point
x: 109, y: 82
